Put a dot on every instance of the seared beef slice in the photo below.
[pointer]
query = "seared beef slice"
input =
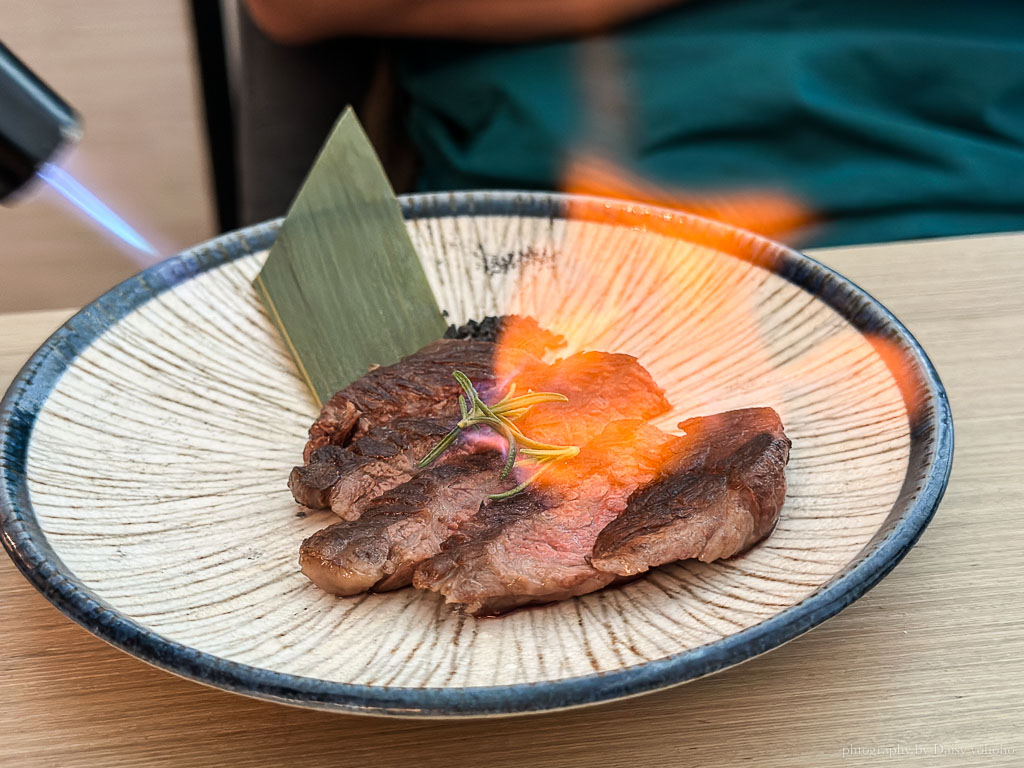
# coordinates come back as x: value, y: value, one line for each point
x: 344, y: 478
x: 408, y: 521
x: 535, y: 547
x: 719, y: 495
x: 402, y: 527
x: 389, y: 419
x: 419, y: 385
x: 601, y: 387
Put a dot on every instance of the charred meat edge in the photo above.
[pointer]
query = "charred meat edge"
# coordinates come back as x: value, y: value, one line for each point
x: 402, y: 411
x: 720, y: 495
x: 418, y: 385
x: 402, y: 527
x: 625, y: 387
x: 535, y: 547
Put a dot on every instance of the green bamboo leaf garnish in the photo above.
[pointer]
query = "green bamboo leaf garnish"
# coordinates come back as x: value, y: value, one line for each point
x: 344, y: 243
x: 501, y: 417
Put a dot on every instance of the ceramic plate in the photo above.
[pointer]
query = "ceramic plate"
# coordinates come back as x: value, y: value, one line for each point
x: 145, y: 450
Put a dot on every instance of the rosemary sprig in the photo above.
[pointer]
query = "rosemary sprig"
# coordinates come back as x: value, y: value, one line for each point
x: 500, y: 418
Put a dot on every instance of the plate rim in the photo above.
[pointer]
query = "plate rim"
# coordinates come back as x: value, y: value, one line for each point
x: 27, y: 546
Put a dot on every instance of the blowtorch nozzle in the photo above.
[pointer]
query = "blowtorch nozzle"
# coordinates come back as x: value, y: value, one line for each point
x: 34, y: 123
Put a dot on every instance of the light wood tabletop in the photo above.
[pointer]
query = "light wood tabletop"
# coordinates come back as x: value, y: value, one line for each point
x: 927, y: 669
x: 131, y: 71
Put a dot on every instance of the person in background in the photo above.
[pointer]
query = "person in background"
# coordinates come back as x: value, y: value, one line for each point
x: 882, y: 119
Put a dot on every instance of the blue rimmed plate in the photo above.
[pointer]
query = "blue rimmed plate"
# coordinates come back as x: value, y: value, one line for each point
x: 144, y: 452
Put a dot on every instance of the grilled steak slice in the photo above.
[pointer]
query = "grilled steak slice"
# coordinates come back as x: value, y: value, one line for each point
x: 410, y: 522
x: 334, y: 426
x: 719, y: 495
x: 402, y: 527
x: 535, y: 547
x: 382, y: 459
x: 419, y: 385
x: 344, y: 478
x: 388, y: 419
x: 601, y: 387
x: 311, y: 483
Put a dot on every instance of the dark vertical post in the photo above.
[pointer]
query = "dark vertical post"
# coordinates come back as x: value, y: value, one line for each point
x: 208, y: 25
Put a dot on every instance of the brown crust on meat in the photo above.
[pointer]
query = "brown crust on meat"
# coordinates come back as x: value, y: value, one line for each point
x: 400, y: 528
x: 384, y: 458
x: 334, y: 426
x: 311, y: 483
x: 720, y: 495
x: 418, y: 385
x: 533, y: 548
x: 389, y: 419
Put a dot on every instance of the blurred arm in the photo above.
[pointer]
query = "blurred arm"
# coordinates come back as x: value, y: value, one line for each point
x: 306, y: 21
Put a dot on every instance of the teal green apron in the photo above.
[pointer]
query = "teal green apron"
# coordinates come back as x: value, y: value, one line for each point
x: 887, y: 120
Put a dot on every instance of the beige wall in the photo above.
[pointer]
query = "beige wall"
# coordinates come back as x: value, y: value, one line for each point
x: 129, y: 69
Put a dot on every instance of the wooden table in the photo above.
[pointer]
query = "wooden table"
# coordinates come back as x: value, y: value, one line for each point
x: 929, y: 665
x: 131, y: 71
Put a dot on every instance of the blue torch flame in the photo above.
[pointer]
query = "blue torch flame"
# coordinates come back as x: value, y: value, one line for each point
x: 64, y: 183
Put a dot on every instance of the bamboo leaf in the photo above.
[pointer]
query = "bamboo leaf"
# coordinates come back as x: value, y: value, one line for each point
x: 343, y: 282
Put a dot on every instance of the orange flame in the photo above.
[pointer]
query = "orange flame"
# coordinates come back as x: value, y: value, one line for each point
x: 771, y: 213
x: 698, y: 304
x: 701, y: 308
